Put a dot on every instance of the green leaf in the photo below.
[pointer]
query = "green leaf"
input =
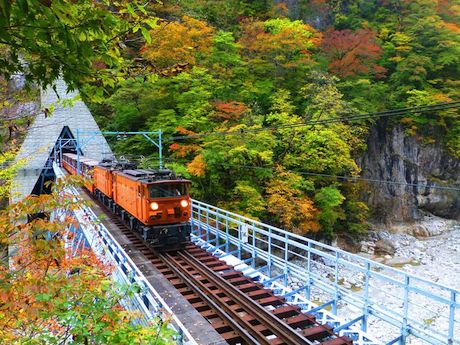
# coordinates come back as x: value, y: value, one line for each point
x: 146, y: 34
x: 43, y: 297
x: 130, y: 9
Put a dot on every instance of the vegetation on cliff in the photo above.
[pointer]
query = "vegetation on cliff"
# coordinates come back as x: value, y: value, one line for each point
x: 258, y: 66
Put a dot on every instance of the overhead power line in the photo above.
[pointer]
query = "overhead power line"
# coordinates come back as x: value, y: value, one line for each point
x: 365, y: 116
x: 356, y: 178
x: 337, y: 177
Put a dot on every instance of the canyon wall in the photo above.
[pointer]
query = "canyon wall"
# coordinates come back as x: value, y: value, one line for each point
x: 393, y: 156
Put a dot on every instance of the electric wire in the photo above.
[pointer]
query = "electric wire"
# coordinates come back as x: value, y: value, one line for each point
x: 365, y: 116
x: 309, y: 173
x: 355, y: 178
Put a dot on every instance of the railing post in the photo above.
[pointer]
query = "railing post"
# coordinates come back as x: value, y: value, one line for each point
x: 366, y: 297
x: 450, y: 337
x: 309, y: 271
x: 286, y: 257
x: 336, y: 282
x: 404, y: 331
x: 207, y: 223
x: 254, y: 252
x: 269, y: 263
x: 240, y: 230
x: 227, y: 240
x: 200, y: 229
x: 217, y: 228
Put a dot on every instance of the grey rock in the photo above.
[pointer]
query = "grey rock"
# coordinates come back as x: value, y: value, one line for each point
x: 393, y: 156
x: 383, y: 235
x: 374, y: 236
x: 419, y: 245
x: 384, y: 247
x: 420, y: 231
x: 346, y: 285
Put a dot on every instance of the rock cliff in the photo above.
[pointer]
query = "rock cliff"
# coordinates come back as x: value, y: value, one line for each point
x: 393, y: 156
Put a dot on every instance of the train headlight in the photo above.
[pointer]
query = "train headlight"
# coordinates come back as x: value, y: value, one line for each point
x: 154, y: 206
x: 184, y: 203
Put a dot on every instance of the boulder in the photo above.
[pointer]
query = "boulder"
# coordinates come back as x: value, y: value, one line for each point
x: 385, y: 247
x: 367, y: 247
x: 420, y: 231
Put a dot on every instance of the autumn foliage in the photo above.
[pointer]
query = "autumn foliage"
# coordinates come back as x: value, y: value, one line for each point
x: 53, y: 293
x: 289, y: 205
x: 352, y: 53
x: 197, y: 166
x: 281, y: 41
x: 261, y: 71
x: 178, y: 42
x: 230, y: 111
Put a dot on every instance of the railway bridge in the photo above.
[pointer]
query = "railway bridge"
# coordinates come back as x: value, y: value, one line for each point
x: 239, y: 280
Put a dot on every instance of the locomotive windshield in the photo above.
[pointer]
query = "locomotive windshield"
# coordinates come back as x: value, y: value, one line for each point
x: 168, y: 190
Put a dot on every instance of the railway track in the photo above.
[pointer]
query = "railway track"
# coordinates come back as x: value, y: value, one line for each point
x: 240, y: 310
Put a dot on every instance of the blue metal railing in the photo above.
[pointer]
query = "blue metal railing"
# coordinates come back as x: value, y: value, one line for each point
x: 383, y: 296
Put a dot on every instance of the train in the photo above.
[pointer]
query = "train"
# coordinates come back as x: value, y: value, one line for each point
x: 154, y: 203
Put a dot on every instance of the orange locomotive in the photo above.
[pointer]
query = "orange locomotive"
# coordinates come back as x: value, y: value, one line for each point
x: 154, y: 203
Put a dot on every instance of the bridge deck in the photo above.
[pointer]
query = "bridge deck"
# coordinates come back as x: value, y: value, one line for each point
x: 200, y: 329
x: 291, y: 266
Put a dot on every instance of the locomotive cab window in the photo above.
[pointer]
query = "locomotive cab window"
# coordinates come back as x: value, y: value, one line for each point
x: 168, y: 190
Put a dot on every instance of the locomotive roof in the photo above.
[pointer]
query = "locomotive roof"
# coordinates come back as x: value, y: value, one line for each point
x: 83, y: 159
x: 151, y: 176
x: 117, y: 165
x: 128, y: 169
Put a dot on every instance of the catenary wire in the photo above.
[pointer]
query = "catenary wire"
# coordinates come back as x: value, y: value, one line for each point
x: 365, y: 116
x: 308, y: 173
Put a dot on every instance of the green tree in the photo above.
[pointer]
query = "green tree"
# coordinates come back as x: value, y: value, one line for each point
x: 228, y: 164
x: 82, y: 41
x: 179, y: 43
x: 329, y: 199
x: 8, y: 169
x: 278, y: 52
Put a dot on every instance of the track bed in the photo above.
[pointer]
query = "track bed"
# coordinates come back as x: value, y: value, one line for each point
x: 240, y: 310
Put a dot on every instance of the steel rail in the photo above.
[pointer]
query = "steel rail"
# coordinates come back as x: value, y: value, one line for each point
x: 168, y: 259
x: 281, y: 329
x: 191, y: 283
x: 261, y: 339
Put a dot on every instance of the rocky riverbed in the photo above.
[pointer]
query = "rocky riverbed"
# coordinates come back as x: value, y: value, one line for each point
x: 432, y: 252
x: 429, y: 249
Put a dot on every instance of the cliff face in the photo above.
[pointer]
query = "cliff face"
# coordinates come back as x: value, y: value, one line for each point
x: 392, y: 156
